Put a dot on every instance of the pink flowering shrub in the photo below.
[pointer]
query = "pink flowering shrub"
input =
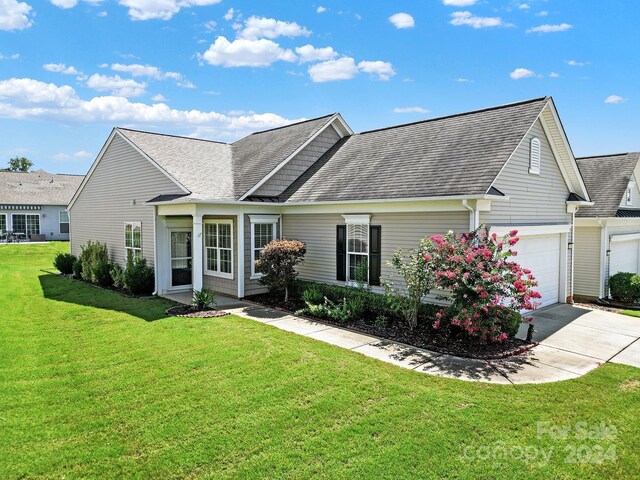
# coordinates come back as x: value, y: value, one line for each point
x: 488, y: 289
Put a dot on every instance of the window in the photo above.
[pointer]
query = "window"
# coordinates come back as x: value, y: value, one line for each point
x: 28, y: 224
x: 357, y: 250
x: 218, y: 245
x: 133, y: 239
x: 534, y: 157
x: 64, y: 222
x: 263, y: 230
x: 3, y: 222
x: 629, y: 197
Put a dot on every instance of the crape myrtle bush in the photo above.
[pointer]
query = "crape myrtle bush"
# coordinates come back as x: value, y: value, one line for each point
x: 625, y: 287
x: 488, y: 288
x: 277, y: 263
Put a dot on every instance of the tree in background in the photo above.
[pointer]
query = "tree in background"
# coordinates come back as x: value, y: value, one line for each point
x: 20, y: 164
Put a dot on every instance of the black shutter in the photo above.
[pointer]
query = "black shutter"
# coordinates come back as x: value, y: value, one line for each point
x: 374, y: 254
x: 341, y: 252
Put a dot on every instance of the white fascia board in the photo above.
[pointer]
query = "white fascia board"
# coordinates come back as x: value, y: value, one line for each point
x: 290, y: 157
x: 624, y: 237
x: 264, y: 218
x: 530, y: 230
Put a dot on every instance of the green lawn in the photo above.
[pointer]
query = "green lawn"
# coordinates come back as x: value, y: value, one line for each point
x: 632, y: 313
x: 93, y: 384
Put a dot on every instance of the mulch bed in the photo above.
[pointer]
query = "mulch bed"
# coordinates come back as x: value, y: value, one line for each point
x: 189, y: 311
x: 427, y: 338
x: 609, y: 306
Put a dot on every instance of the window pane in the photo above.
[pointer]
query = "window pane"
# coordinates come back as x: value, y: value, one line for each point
x: 64, y: 217
x: 224, y: 235
x: 212, y: 259
x: 64, y: 228
x: 225, y: 261
x: 136, y: 236
x: 3, y: 223
x: 128, y: 235
x: 33, y: 224
x: 358, y: 238
x: 263, y: 234
x: 211, y: 234
x: 354, y: 261
x: 19, y: 224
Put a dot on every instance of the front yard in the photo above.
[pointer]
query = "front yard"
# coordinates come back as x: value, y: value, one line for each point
x: 94, y: 384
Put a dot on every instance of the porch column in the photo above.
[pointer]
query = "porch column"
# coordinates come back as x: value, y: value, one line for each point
x: 196, y: 252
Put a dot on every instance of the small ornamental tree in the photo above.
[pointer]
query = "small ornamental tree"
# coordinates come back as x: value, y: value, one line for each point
x: 488, y: 289
x: 277, y: 263
x: 416, y: 279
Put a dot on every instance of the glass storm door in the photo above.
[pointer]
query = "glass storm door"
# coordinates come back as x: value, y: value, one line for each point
x: 180, y: 258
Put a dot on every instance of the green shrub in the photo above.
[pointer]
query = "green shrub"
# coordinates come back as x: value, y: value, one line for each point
x: 77, y: 269
x: 94, y: 254
x: 64, y: 262
x: 203, y: 299
x: 117, y: 275
x: 102, y: 274
x: 138, y: 277
x: 277, y: 263
x: 625, y: 287
x: 313, y: 296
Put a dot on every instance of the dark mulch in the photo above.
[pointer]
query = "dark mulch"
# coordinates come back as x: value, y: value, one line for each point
x: 189, y: 311
x: 422, y: 337
x: 608, y: 305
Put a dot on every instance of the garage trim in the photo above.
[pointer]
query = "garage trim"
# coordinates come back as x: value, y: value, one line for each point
x: 625, y: 237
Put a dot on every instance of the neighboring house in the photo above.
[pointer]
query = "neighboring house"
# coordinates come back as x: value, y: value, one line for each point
x: 608, y: 232
x: 201, y: 211
x: 35, y: 203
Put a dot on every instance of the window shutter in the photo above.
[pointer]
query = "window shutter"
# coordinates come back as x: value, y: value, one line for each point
x: 375, y: 256
x: 341, y: 252
x: 534, y: 160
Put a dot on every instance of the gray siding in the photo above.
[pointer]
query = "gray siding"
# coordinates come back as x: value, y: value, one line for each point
x: 105, y: 203
x: 534, y: 199
x: 300, y: 163
x: 587, y: 261
x: 226, y: 286
x: 635, y: 195
x: 399, y: 230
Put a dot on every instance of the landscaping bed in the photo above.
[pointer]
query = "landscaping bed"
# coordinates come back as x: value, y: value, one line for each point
x: 190, y: 311
x: 421, y: 337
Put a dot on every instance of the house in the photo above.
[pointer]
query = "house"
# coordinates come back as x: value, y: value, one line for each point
x: 200, y: 211
x: 608, y: 232
x: 34, y: 204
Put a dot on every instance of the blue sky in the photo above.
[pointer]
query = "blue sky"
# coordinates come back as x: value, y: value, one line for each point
x: 70, y: 70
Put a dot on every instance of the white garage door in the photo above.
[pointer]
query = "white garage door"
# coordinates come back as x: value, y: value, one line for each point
x: 541, y: 255
x: 624, y: 256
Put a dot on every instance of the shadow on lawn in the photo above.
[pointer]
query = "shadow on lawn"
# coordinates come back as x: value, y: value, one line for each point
x: 63, y: 289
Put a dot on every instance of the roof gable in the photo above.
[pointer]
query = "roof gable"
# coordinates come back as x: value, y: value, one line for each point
x: 607, y: 178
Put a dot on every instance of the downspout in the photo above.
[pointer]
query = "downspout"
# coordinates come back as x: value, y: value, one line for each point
x: 604, y: 239
x: 473, y: 224
x: 573, y: 248
x: 155, y: 252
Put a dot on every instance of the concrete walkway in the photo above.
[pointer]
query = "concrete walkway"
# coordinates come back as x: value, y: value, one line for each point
x: 572, y: 342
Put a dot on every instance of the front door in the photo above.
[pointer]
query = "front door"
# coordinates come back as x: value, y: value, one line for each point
x: 180, y: 258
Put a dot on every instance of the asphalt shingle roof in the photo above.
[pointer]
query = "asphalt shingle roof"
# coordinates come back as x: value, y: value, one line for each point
x: 606, y: 178
x: 37, y: 188
x: 455, y: 155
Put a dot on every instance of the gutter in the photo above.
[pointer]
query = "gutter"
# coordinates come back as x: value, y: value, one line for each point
x: 474, y: 215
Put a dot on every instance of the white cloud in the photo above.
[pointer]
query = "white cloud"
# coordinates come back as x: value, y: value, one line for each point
x: 562, y: 27
x: 575, y: 63
x: 61, y: 68
x: 543, y: 13
x: 229, y: 15
x: 72, y: 3
x: 83, y: 154
x: 410, y: 110
x: 160, y: 9
x: 341, y: 69
x: 14, y: 15
x: 118, y: 86
x: 554, y: 75
x: 321, y: 9
x: 260, y: 27
x: 463, y: 80
x: 459, y: 3
x: 246, y: 53
x: 384, y: 70
x: 520, y: 73
x: 309, y: 53
x: 615, y: 99
x: 103, y: 13
x: 210, y: 26
x: 27, y: 99
x: 402, y: 20
x: 13, y: 56
x: 467, y: 18
x: 158, y: 98
x: 524, y: 6
x: 137, y: 70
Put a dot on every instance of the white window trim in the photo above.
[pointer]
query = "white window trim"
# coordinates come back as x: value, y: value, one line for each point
x: 25, y: 221
x: 124, y: 235
x: 357, y: 220
x: 217, y: 273
x: 68, y: 222
x: 261, y: 219
x: 535, y: 169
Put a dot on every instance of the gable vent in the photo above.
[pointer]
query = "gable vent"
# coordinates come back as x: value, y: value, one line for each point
x: 534, y: 156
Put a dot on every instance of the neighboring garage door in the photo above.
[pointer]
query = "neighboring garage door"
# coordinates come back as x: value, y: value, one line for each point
x: 624, y: 254
x: 541, y: 255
